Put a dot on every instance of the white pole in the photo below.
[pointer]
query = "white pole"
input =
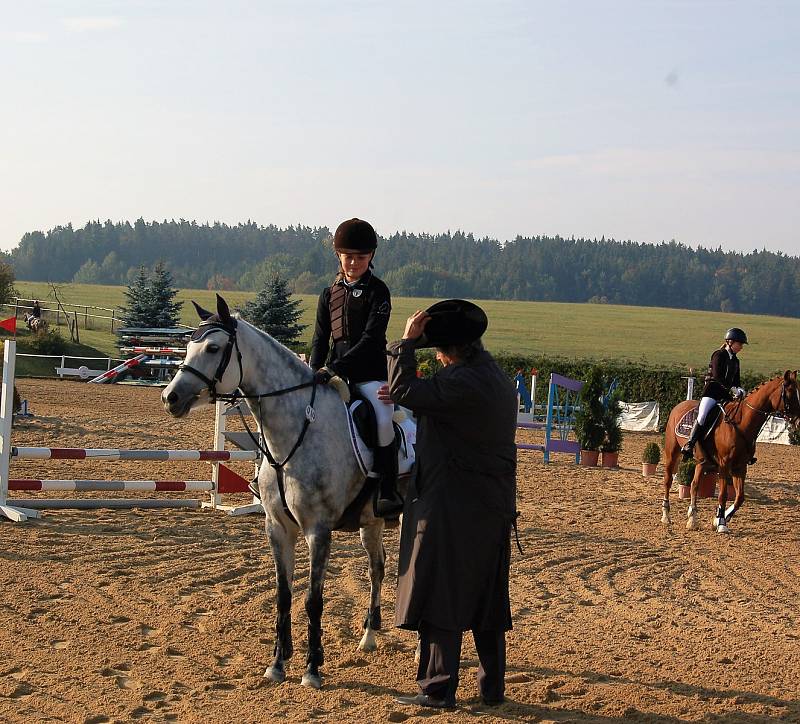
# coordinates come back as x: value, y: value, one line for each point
x: 17, y: 514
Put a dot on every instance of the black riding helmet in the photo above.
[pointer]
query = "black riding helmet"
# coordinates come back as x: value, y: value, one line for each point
x: 355, y: 235
x: 734, y: 334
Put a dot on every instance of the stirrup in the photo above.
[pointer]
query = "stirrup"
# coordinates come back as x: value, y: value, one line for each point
x: 388, y: 507
x: 687, y: 451
x: 252, y: 486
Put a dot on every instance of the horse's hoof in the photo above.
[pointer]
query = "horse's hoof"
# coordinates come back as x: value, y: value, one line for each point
x: 691, y: 524
x: 312, y: 680
x: 666, y: 520
x: 721, y: 527
x: 368, y: 642
x: 275, y: 674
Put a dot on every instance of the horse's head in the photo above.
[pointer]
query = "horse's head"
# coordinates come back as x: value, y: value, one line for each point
x: 206, y: 372
x: 790, y: 397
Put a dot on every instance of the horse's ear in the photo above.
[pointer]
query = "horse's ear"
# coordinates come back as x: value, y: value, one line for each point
x: 204, y: 314
x: 790, y: 376
x: 222, y: 309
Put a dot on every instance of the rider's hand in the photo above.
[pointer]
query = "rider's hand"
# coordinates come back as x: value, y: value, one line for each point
x: 738, y: 393
x: 415, y: 325
x: 383, y: 395
x: 322, y: 376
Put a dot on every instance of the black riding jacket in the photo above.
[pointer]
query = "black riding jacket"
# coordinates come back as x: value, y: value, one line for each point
x: 723, y: 373
x: 350, y: 331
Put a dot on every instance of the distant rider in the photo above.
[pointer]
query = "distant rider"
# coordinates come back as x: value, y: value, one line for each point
x: 722, y: 383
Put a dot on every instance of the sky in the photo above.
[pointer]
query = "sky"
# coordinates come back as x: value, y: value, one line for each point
x: 647, y: 120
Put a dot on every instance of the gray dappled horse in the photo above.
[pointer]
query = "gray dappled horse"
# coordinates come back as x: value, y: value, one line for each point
x: 309, y: 477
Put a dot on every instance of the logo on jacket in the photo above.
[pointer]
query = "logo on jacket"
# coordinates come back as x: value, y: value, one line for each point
x: 357, y: 292
x: 384, y: 308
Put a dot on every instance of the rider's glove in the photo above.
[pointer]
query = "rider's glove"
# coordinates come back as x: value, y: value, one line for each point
x: 322, y: 376
x: 737, y: 392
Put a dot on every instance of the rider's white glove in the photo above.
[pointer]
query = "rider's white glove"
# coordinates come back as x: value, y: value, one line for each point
x: 737, y: 392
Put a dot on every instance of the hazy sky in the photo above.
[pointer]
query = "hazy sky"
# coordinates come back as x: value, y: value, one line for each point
x: 643, y: 120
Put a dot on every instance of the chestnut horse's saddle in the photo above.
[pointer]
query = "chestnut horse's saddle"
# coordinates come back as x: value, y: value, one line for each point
x: 686, y: 422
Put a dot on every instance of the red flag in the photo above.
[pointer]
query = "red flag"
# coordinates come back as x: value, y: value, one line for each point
x: 10, y: 325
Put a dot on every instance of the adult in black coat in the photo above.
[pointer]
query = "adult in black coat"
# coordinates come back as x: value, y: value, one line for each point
x: 461, y: 504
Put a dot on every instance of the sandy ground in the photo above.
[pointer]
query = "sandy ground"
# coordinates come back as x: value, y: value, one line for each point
x: 168, y: 616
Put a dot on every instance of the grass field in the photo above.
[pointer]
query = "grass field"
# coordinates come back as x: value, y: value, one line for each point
x: 652, y: 334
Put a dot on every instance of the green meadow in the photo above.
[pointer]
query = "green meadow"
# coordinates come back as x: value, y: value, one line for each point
x: 647, y: 334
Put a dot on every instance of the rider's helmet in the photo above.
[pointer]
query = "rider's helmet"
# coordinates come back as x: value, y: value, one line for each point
x: 355, y: 235
x: 734, y: 334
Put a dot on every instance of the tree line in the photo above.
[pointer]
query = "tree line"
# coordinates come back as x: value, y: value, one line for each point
x: 246, y: 255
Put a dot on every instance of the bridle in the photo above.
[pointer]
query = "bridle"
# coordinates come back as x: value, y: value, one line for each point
x: 786, y: 401
x: 232, y: 398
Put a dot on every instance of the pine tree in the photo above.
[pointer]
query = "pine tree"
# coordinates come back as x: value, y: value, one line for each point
x: 137, y: 312
x: 274, y: 312
x: 164, y: 311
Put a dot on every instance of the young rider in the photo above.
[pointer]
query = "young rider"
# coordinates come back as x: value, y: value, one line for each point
x: 721, y: 383
x: 350, y: 342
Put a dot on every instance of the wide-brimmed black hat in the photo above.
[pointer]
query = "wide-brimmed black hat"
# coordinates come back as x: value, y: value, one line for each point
x: 453, y: 321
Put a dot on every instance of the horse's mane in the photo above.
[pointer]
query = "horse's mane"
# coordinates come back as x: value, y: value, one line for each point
x: 291, y: 358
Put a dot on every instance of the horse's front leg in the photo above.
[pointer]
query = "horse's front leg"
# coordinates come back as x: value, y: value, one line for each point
x: 665, y: 517
x: 319, y: 550
x: 372, y: 540
x: 738, y: 486
x: 282, y: 537
x: 720, y: 523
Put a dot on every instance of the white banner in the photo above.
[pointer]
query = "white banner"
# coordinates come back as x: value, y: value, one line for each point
x: 639, y: 416
x: 775, y: 429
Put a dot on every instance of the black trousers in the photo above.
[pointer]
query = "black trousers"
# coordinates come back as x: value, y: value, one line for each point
x: 440, y: 657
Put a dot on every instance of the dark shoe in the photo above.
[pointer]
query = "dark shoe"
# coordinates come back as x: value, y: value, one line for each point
x: 493, y: 702
x: 426, y: 700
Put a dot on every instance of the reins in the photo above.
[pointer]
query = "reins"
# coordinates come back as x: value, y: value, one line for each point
x: 233, y: 398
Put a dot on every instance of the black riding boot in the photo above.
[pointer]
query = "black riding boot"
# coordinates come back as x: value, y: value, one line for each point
x: 694, y: 436
x: 389, y: 501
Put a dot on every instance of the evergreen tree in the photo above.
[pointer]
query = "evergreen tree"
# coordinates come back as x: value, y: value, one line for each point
x: 7, y: 290
x: 164, y: 310
x: 137, y: 311
x: 274, y: 312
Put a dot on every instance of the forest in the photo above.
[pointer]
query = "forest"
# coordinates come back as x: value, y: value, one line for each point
x: 246, y: 255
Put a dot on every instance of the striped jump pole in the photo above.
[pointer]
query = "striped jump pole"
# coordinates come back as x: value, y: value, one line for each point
x: 120, y: 370
x: 79, y: 453
x: 112, y: 485
x: 154, y: 351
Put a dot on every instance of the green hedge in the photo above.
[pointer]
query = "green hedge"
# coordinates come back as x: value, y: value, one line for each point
x: 637, y: 382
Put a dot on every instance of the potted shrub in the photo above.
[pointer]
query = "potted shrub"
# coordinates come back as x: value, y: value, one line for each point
x: 612, y: 432
x: 708, y: 481
x: 650, y: 458
x: 589, y: 418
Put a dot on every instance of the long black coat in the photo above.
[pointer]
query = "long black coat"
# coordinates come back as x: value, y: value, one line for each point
x: 455, y: 541
x: 723, y: 373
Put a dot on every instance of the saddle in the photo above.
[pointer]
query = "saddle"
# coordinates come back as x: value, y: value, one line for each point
x: 684, y: 426
x: 364, y: 435
x: 364, y: 438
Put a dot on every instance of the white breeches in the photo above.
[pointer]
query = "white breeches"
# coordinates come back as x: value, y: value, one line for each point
x: 706, y: 405
x: 383, y: 412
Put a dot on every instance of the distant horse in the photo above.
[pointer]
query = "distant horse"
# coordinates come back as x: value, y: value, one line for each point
x: 318, y: 480
x: 730, y: 446
x: 35, y: 324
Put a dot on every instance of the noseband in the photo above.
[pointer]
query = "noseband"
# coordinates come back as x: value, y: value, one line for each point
x: 211, y: 382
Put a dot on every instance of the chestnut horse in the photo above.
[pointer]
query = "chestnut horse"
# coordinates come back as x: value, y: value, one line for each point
x: 731, y: 445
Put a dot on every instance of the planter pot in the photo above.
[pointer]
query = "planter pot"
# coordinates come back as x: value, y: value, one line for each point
x: 610, y: 460
x: 707, y: 487
x: 649, y: 469
x: 589, y: 457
